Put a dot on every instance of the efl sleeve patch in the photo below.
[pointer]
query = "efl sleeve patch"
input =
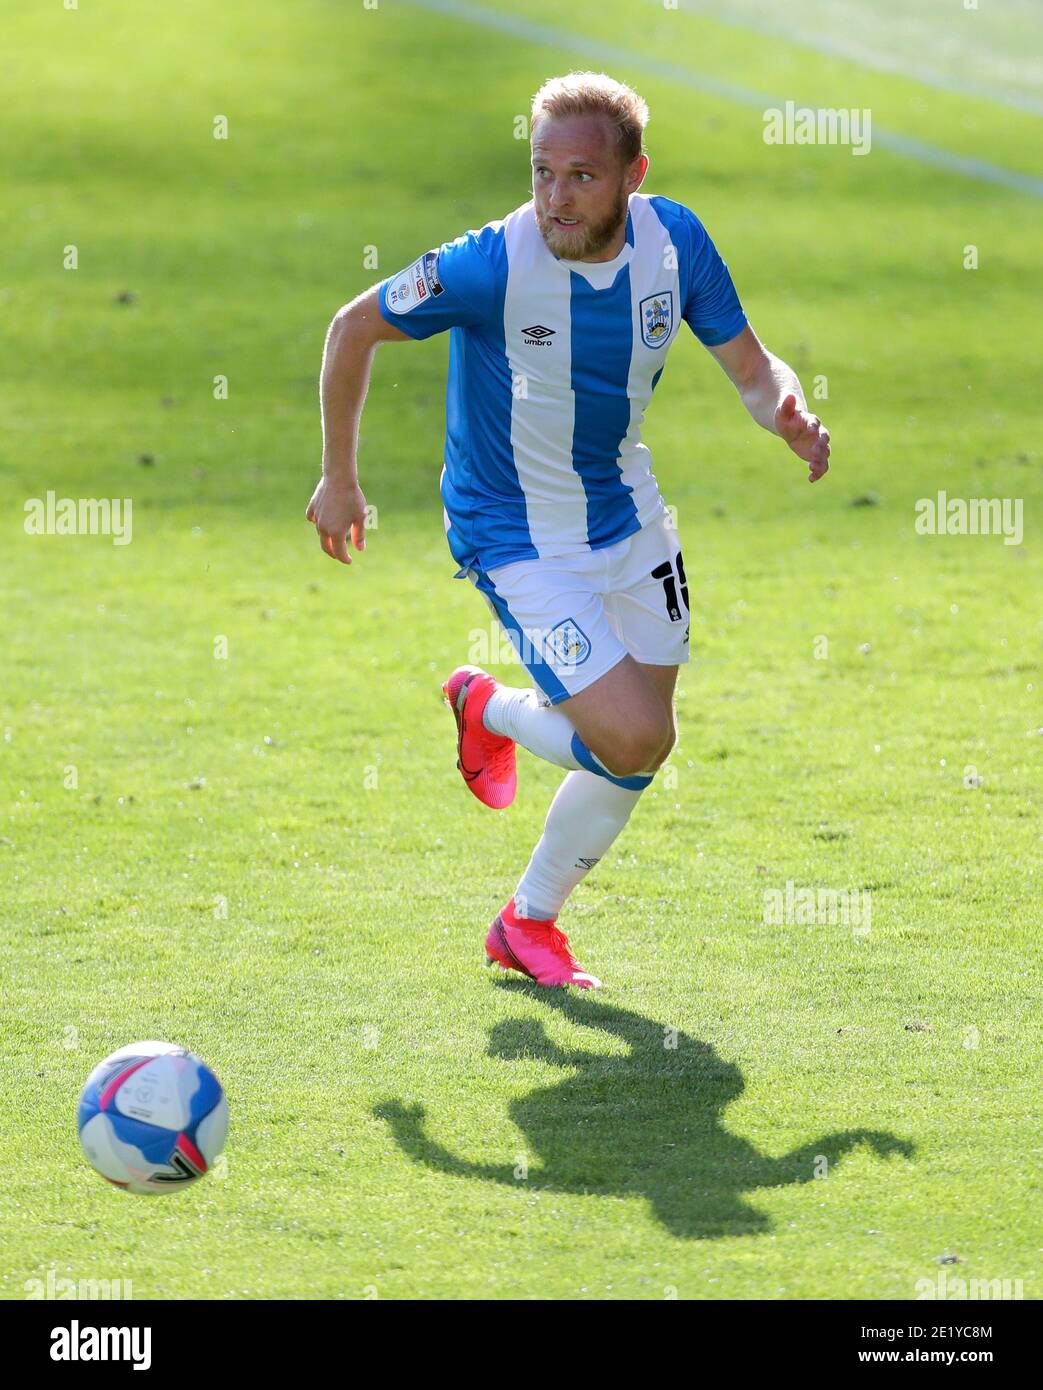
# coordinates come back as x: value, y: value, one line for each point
x: 412, y: 287
x: 449, y: 286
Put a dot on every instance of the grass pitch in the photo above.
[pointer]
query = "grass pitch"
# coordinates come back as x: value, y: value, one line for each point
x: 229, y: 813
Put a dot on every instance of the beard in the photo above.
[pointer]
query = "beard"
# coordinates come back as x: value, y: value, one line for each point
x: 588, y: 238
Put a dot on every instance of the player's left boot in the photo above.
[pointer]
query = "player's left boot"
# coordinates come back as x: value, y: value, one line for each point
x: 486, y: 760
x: 535, y: 948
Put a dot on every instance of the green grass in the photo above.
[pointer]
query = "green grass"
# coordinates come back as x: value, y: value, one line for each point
x: 310, y: 917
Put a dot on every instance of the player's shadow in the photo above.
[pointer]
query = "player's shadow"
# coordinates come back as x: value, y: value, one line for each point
x: 646, y: 1124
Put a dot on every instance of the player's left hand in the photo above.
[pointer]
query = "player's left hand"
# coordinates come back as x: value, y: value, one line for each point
x: 806, y: 435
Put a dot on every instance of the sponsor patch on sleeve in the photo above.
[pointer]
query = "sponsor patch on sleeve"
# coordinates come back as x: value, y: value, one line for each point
x: 431, y: 273
x: 410, y: 288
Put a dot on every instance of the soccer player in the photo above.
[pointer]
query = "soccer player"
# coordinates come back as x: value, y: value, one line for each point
x: 560, y: 316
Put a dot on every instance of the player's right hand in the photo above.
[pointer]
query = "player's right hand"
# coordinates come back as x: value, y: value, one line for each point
x: 335, y: 509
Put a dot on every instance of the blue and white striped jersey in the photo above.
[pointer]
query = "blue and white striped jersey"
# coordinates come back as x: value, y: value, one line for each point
x: 552, y: 364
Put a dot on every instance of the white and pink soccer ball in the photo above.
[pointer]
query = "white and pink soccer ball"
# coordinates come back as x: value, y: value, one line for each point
x: 152, y: 1118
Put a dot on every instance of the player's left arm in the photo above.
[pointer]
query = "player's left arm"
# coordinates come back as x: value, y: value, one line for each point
x: 771, y: 393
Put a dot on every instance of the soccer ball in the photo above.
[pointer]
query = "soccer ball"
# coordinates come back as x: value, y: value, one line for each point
x: 152, y: 1117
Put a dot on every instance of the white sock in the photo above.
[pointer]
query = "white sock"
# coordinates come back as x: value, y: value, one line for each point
x: 544, y: 731
x: 586, y: 815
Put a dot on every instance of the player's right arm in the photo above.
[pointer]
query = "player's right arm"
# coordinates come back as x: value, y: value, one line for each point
x: 450, y: 286
x: 338, y: 504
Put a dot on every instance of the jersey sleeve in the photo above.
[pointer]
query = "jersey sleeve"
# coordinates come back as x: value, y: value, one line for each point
x: 449, y: 286
x: 711, y: 305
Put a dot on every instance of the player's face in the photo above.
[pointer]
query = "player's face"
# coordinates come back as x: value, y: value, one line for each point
x: 580, y: 188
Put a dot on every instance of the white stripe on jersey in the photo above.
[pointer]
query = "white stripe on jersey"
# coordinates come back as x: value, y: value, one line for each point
x: 543, y: 410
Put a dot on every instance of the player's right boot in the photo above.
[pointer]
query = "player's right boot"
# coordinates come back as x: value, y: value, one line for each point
x: 535, y: 948
x: 486, y: 760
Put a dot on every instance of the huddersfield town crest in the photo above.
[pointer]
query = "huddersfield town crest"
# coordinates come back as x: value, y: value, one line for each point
x: 657, y: 318
x: 568, y: 644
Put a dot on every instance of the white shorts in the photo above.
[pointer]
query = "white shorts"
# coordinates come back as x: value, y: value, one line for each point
x: 572, y: 619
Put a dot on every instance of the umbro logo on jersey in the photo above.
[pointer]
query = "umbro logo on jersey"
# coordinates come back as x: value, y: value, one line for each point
x: 536, y: 335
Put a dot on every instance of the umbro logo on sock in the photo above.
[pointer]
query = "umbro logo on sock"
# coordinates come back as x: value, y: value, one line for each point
x: 586, y: 863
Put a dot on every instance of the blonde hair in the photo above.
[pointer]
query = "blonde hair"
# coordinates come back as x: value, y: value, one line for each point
x: 595, y: 94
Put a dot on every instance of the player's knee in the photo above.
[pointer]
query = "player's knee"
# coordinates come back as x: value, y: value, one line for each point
x: 633, y: 748
x: 665, y: 751
x: 665, y: 739
x: 622, y: 763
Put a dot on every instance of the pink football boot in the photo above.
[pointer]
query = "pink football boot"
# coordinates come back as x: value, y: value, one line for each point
x: 536, y: 948
x: 486, y: 760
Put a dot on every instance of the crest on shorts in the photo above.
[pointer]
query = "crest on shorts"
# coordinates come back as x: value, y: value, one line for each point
x: 657, y: 318
x: 567, y: 643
